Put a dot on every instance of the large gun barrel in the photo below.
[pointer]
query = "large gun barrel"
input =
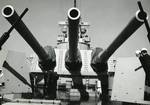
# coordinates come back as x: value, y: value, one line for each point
x: 131, y: 27
x: 100, y: 57
x: 73, y: 61
x: 10, y: 14
x: 6, y: 35
x: 73, y: 28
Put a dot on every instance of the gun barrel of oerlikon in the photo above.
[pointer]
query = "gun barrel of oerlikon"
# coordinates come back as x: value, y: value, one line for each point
x: 131, y: 27
x: 73, y: 28
x: 10, y: 14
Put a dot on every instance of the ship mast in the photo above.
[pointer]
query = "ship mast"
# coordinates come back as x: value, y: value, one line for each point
x: 75, y: 3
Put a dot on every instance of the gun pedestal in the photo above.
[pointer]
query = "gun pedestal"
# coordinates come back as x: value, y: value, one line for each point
x: 49, y: 87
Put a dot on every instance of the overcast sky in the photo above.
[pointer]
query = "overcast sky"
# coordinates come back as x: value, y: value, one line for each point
x: 107, y: 19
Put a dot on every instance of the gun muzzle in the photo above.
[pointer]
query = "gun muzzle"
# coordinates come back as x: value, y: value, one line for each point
x: 73, y: 28
x: 10, y: 14
x: 131, y: 27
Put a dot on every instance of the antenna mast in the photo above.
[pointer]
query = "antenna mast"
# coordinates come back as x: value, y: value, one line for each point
x: 75, y: 3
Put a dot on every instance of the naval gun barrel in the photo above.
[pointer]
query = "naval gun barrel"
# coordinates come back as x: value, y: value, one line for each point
x: 6, y: 35
x: 73, y: 61
x: 99, y: 57
x: 11, y: 15
x: 73, y: 29
x: 131, y: 27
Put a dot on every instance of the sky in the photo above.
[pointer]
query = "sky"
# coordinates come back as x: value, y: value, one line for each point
x: 107, y: 18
